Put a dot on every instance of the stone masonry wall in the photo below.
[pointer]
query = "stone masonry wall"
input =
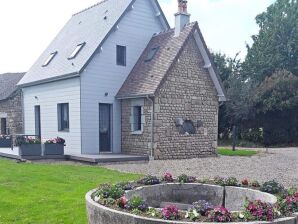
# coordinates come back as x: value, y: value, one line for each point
x: 188, y: 93
x: 12, y: 109
x: 136, y: 144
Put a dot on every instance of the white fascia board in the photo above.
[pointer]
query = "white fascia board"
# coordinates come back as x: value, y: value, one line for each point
x: 160, y: 14
x: 208, y: 65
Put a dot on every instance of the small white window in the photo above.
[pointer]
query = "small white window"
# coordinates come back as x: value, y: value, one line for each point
x: 77, y: 50
x: 49, y: 59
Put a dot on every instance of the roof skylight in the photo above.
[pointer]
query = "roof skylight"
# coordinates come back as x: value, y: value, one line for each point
x: 77, y: 50
x: 50, y: 58
x: 151, y: 54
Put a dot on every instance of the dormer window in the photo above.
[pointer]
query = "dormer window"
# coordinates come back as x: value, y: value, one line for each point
x: 50, y: 58
x: 77, y: 50
x: 151, y: 54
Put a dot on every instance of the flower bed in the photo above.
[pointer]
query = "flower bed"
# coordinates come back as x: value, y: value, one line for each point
x: 5, y: 141
x: 140, y: 198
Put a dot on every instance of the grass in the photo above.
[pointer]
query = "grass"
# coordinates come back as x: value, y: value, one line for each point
x: 49, y: 193
x: 230, y: 152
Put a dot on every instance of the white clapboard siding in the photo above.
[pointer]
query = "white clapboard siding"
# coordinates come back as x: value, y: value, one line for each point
x: 48, y: 96
x: 102, y: 75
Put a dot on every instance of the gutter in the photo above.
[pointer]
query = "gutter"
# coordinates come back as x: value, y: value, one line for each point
x: 151, y: 129
x: 48, y: 80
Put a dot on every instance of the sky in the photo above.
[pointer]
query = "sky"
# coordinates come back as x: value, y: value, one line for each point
x: 27, y: 27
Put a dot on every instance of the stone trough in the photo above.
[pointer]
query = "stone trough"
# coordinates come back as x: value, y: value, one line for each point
x: 181, y: 195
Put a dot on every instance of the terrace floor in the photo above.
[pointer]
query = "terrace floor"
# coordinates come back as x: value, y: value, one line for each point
x: 102, y: 158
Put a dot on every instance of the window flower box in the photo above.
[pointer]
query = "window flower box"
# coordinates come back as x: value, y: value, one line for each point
x: 54, y: 146
x: 30, y: 150
x: 29, y: 146
x: 5, y: 141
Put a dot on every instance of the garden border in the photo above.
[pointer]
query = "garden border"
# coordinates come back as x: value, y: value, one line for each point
x: 99, y: 214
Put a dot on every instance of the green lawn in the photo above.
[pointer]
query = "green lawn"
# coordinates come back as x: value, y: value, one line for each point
x: 49, y: 193
x: 230, y: 152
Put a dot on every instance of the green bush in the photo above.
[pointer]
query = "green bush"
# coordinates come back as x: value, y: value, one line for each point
x: 272, y: 187
x: 110, y: 191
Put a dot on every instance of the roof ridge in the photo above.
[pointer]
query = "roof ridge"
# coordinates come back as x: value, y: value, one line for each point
x: 90, y: 7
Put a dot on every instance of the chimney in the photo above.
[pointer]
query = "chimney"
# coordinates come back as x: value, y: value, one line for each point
x: 181, y: 17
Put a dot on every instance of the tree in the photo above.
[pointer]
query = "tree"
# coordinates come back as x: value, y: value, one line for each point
x: 275, y: 102
x: 275, y: 47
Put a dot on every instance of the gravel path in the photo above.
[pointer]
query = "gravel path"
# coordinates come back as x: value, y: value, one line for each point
x: 278, y: 164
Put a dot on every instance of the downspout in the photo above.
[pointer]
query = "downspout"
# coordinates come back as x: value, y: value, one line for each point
x: 151, y: 129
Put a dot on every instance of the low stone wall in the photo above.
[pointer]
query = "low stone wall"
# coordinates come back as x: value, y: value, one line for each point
x: 98, y: 214
x: 180, y: 193
x: 235, y: 197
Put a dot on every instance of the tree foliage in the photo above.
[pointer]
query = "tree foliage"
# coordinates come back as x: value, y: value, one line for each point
x: 275, y: 47
x: 263, y: 90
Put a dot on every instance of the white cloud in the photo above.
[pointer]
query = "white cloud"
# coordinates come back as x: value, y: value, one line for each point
x: 27, y: 27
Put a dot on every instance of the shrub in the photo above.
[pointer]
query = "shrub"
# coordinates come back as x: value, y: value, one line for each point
x: 57, y: 140
x: 258, y: 210
x: 170, y: 212
x: 122, y: 202
x: 220, y: 214
x: 137, y: 202
x: 110, y: 191
x: 245, y: 182
x: 288, y: 203
x: 149, y: 180
x: 126, y: 186
x: 5, y: 137
x: 219, y: 181
x: 255, y: 183
x: 154, y: 213
x: 167, y: 177
x: 202, y: 207
x: 231, y: 181
x: 272, y: 187
x: 183, y: 178
x: 24, y: 140
x: 192, y: 214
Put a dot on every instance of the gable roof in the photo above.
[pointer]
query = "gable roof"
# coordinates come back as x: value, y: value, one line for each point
x: 146, y: 77
x: 8, y: 84
x: 91, y: 26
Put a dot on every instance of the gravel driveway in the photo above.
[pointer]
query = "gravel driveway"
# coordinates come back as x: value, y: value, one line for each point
x: 279, y: 164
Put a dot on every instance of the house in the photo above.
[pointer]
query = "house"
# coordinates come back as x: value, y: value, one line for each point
x: 117, y: 79
x: 11, y: 117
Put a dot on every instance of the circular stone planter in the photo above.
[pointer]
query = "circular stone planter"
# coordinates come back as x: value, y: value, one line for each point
x: 181, y: 195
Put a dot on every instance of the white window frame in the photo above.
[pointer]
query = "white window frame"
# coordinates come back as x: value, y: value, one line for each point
x: 132, y: 120
x: 76, y: 51
x: 50, y: 58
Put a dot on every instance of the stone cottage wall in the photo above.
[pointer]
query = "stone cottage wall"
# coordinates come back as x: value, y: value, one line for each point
x: 11, y: 108
x: 188, y: 93
x: 137, y: 144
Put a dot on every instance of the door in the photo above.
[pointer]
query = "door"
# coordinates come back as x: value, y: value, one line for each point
x: 37, y: 121
x: 3, y: 126
x: 104, y: 128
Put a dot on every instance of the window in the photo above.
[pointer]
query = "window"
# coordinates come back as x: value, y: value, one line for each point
x: 151, y: 54
x: 77, y: 50
x: 63, y: 117
x: 50, y: 58
x: 121, y: 55
x: 137, y: 118
x: 3, y: 126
